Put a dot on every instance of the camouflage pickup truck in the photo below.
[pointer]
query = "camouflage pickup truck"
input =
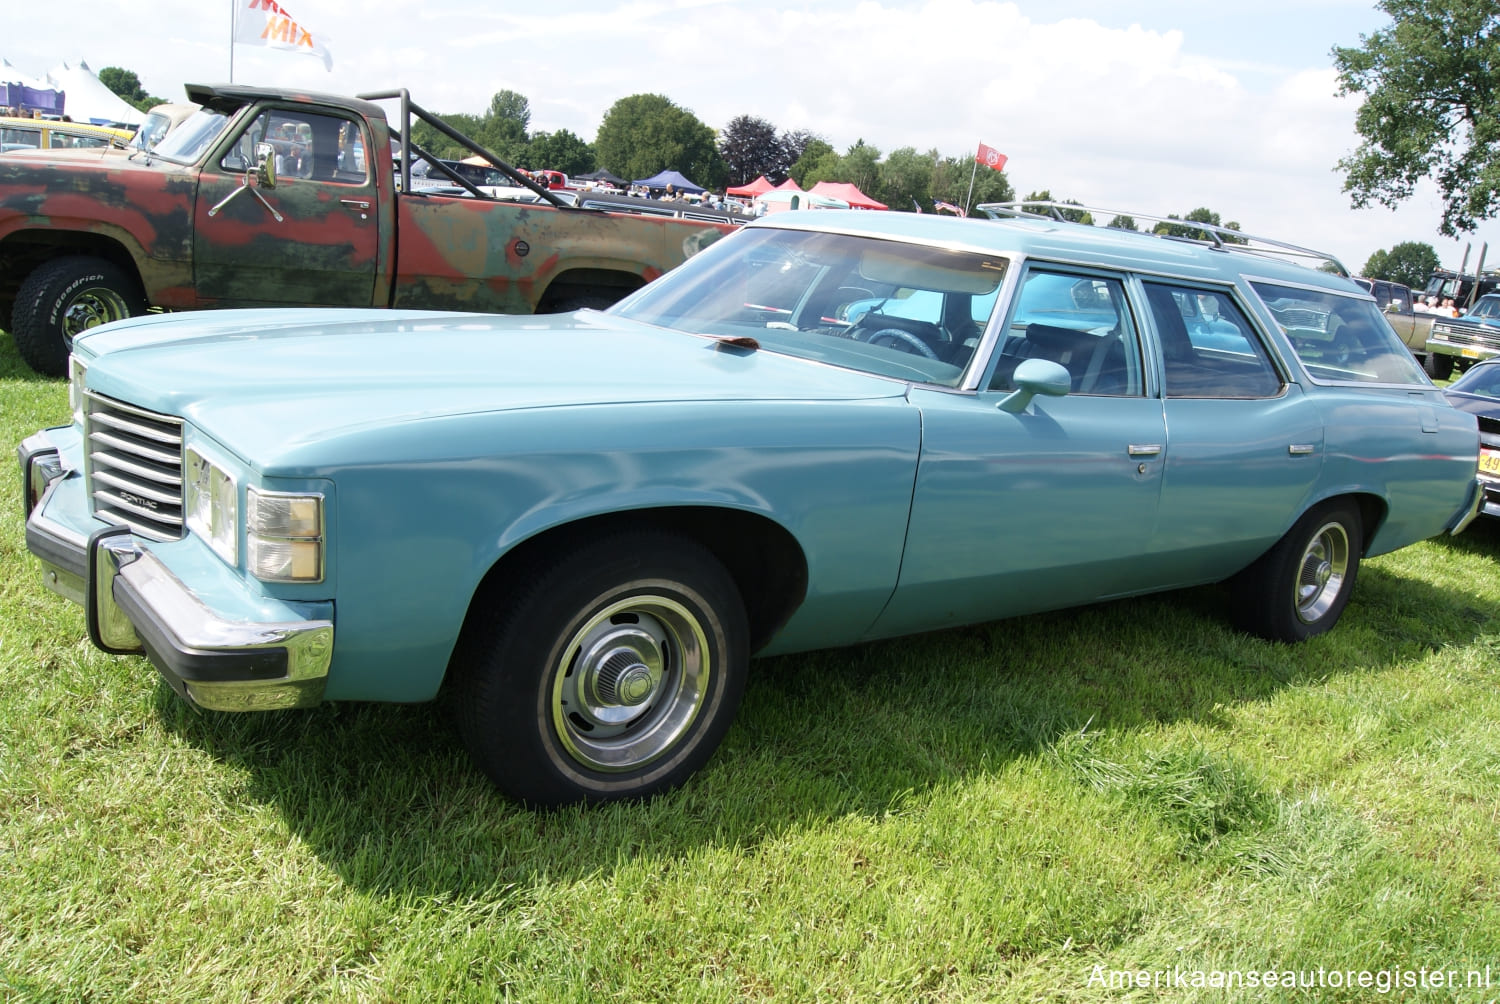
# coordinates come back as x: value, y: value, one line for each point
x: 270, y: 197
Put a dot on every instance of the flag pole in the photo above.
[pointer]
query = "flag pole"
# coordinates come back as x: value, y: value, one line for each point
x: 975, y: 170
x: 232, y: 5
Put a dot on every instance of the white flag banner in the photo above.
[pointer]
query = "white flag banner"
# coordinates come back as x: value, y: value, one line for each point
x: 266, y: 22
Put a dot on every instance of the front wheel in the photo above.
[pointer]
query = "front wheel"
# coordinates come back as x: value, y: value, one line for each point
x: 613, y: 675
x: 1299, y: 588
x: 1438, y: 367
x: 63, y: 298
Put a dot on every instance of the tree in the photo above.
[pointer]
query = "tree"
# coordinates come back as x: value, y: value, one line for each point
x: 1122, y: 222
x: 1410, y: 263
x: 1200, y: 215
x: 1431, y: 83
x: 559, y: 151
x: 128, y: 86
x: 793, y: 145
x: 817, y: 157
x: 860, y: 166
x: 646, y: 133
x: 1071, y: 215
x: 751, y: 148
x: 906, y: 180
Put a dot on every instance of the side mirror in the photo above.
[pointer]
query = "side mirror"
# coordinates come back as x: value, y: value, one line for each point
x: 1033, y: 377
x: 265, y: 165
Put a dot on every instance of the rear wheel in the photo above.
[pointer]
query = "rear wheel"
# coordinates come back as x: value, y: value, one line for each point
x: 615, y: 674
x: 1299, y: 588
x: 63, y: 298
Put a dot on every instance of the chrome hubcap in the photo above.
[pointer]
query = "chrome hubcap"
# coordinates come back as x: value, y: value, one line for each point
x: 91, y: 308
x: 630, y: 682
x: 1321, y: 572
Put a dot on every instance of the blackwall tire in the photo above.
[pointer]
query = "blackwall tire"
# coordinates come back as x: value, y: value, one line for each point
x: 1298, y: 589
x: 613, y: 674
x: 1438, y: 367
x: 63, y: 298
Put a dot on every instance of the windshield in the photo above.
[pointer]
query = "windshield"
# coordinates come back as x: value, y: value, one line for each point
x: 186, y: 143
x: 908, y: 311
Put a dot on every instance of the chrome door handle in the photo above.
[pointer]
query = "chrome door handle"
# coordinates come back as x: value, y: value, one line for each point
x: 1301, y: 449
x: 1145, y: 449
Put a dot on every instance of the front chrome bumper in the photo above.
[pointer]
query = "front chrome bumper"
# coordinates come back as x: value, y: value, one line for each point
x: 134, y: 604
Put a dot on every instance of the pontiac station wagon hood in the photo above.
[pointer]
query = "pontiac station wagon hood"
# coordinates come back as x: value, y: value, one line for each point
x: 277, y: 378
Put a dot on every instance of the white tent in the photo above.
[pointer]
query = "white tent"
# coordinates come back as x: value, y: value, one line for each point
x: 88, y: 99
x: 23, y: 91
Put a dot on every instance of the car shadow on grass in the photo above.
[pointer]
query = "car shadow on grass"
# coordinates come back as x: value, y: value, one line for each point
x: 385, y: 795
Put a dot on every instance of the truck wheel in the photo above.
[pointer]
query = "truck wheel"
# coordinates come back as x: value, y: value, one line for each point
x: 1439, y: 367
x: 614, y: 673
x: 1298, y: 588
x: 64, y: 297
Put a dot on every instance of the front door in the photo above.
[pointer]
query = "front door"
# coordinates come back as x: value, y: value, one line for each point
x: 1049, y: 507
x: 313, y: 239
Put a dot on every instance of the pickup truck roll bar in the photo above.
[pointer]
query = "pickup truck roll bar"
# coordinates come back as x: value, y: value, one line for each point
x: 410, y: 108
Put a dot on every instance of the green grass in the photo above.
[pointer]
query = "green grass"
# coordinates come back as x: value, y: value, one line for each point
x: 984, y: 814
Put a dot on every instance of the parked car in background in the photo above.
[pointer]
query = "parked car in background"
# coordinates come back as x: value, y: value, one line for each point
x: 159, y: 121
x: 1461, y: 341
x: 1396, y: 302
x: 52, y: 134
x: 1478, y: 393
x: 827, y: 428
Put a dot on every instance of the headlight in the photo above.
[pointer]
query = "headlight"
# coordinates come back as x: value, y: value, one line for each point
x: 284, y: 536
x: 212, y: 505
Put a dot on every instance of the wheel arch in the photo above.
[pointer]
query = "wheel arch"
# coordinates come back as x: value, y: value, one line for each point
x: 587, y: 283
x: 766, y: 562
x: 23, y: 251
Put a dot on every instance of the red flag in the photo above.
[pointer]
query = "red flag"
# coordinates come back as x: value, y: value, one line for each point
x: 990, y: 157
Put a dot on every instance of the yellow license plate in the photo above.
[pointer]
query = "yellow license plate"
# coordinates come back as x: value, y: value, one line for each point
x: 1489, y: 462
x: 1473, y: 353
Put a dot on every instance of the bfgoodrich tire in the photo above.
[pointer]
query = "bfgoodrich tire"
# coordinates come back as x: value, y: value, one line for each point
x: 613, y: 675
x: 63, y: 298
x: 1299, y: 588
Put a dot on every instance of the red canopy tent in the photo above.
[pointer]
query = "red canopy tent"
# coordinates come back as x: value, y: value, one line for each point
x: 754, y: 188
x: 787, y: 186
x: 849, y: 193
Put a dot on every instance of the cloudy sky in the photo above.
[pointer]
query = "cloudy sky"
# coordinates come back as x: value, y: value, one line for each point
x: 1147, y: 107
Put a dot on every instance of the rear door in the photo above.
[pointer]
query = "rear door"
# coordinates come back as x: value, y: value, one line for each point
x: 1246, y: 446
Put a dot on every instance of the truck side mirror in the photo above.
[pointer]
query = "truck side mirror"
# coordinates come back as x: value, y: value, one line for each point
x: 265, y: 165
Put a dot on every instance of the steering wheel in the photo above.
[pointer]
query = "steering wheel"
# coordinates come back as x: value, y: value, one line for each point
x: 890, y: 336
x: 898, y: 338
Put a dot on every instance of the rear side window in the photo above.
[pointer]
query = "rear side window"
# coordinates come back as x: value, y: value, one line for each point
x: 1340, y: 338
x: 1209, y: 349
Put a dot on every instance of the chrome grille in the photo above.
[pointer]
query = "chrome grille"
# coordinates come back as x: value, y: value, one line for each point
x: 1468, y: 335
x: 133, y: 466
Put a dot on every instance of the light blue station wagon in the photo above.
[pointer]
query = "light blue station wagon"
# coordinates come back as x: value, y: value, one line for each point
x: 827, y: 428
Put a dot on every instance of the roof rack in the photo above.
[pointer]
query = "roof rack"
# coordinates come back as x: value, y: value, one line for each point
x: 1217, y: 237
